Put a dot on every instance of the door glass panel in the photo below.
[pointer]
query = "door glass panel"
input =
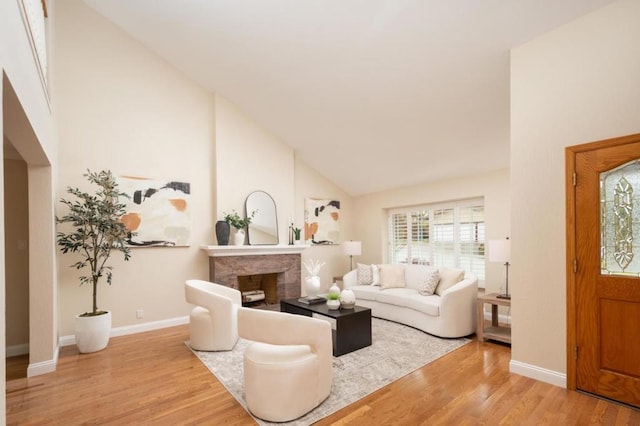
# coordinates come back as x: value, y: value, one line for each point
x: 620, y: 220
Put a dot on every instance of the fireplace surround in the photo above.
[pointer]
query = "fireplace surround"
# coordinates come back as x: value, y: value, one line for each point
x: 227, y: 263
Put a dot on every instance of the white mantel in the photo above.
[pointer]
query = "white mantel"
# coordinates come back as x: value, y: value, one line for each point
x: 218, y: 251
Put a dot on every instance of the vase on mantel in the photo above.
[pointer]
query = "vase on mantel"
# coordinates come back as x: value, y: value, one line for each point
x: 238, y: 237
x: 222, y: 232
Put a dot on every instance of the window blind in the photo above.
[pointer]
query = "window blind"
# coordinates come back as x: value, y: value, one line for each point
x: 443, y: 235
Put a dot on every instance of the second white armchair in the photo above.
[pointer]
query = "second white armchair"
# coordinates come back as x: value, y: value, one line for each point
x: 288, y: 367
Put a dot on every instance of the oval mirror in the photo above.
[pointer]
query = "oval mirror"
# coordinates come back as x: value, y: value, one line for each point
x: 263, y: 229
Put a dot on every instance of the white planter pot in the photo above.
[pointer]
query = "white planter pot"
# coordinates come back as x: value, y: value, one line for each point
x: 333, y: 304
x: 92, y: 333
x: 238, y: 237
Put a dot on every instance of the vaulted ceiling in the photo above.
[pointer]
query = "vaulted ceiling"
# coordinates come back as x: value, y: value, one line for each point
x: 374, y: 94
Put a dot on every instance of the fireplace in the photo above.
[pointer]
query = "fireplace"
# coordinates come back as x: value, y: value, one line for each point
x: 259, y: 289
x: 276, y: 270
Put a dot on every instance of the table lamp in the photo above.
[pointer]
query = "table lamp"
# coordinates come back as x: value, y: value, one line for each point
x: 352, y: 248
x: 500, y: 251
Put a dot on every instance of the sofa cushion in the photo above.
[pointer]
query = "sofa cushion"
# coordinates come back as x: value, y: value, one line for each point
x: 365, y: 292
x: 448, y: 278
x: 396, y: 296
x: 421, y: 278
x: 365, y: 275
x: 413, y: 275
x: 429, y: 305
x: 430, y: 283
x: 392, y: 276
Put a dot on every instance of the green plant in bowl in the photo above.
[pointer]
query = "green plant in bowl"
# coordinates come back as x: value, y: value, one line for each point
x: 333, y: 296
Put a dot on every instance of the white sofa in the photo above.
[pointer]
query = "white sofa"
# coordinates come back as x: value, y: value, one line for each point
x: 449, y: 312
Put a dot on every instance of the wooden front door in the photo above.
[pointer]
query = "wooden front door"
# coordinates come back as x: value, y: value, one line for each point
x: 604, y: 275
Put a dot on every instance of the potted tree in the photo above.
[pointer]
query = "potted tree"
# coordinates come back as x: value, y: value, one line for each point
x: 96, y: 233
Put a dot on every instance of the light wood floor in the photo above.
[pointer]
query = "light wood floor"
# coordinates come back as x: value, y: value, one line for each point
x: 152, y: 378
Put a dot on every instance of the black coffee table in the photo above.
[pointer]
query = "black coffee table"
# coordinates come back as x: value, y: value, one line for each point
x: 351, y: 328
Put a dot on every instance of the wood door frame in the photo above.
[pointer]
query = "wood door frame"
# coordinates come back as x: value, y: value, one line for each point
x: 570, y: 199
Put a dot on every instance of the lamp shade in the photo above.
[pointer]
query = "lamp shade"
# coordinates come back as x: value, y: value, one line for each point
x: 352, y: 248
x: 500, y: 250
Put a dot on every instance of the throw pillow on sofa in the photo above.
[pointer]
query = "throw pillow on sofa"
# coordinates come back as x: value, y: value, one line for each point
x: 368, y: 274
x: 391, y: 276
x: 448, y: 278
x: 375, y: 271
x: 431, y: 280
x: 365, y: 275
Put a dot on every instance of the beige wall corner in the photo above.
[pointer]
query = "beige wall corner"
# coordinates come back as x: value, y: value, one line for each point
x: 576, y: 84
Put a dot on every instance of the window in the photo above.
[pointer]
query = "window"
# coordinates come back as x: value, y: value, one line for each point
x: 443, y: 235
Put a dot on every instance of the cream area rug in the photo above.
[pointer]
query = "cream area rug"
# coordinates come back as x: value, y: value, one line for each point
x: 397, y: 350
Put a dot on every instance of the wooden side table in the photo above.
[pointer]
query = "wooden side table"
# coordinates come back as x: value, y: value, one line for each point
x: 495, y: 331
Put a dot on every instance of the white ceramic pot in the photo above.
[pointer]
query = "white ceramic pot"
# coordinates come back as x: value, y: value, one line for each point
x: 347, y: 299
x: 334, y: 289
x: 333, y: 304
x: 312, y: 286
x: 92, y: 333
x: 297, y: 243
x: 238, y: 237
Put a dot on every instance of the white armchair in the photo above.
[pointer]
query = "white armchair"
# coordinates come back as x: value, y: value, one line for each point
x: 213, y: 323
x: 288, y: 367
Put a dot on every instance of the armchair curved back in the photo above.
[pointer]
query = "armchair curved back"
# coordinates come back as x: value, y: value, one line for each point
x: 279, y: 328
x: 222, y: 303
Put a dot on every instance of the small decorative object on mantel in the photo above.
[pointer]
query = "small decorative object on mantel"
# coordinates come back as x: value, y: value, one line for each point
x: 237, y: 222
x: 291, y: 234
x: 296, y: 235
x: 222, y: 232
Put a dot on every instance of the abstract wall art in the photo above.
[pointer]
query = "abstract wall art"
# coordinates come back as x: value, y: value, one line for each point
x: 322, y: 221
x: 158, y: 211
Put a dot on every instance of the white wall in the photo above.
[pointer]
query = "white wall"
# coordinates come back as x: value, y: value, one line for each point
x: 249, y: 158
x: 370, y: 215
x: 120, y: 107
x: 579, y: 83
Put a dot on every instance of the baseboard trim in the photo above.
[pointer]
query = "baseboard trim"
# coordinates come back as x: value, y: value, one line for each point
x: 133, y: 329
x: 542, y: 374
x: 44, y: 367
x: 15, y: 350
